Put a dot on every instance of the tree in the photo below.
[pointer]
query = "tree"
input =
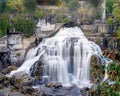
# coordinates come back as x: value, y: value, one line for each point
x: 2, y: 5
x: 30, y: 5
x: 25, y: 25
x: 109, y: 5
x: 39, y: 13
x: 73, y: 5
x: 15, y: 6
x: 4, y: 24
x: 116, y: 11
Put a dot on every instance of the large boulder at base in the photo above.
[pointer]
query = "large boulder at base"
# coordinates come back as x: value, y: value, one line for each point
x: 22, y: 78
x: 5, y: 92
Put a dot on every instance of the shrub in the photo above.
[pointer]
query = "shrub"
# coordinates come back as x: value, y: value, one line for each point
x: 114, y: 71
x: 15, y: 6
x: 2, y: 5
x: 61, y: 18
x: 4, y: 24
x: 39, y: 13
x: 25, y: 25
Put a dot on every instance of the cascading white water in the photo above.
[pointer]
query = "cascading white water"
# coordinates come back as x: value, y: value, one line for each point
x: 66, y: 57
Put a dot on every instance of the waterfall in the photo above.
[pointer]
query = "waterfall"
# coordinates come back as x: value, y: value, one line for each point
x: 66, y: 57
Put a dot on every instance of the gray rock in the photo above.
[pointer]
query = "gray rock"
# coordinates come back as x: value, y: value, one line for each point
x: 21, y: 78
x: 16, y: 94
x: 9, y: 69
x: 49, y: 84
x: 29, y: 90
x: 5, y: 92
x: 1, y: 77
x: 58, y: 85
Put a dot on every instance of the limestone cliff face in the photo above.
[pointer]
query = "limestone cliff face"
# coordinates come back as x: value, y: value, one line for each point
x: 13, y: 48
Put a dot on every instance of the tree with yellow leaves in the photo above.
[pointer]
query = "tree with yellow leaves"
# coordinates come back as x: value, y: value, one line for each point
x: 15, y: 6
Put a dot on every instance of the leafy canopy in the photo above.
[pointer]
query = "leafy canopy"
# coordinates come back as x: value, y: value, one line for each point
x: 4, y: 24
x: 116, y: 10
x: 2, y: 5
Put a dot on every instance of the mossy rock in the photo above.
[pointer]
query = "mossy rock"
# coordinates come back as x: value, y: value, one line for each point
x: 97, y: 70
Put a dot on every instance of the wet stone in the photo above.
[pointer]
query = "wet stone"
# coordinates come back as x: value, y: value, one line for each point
x: 58, y: 85
x: 49, y: 84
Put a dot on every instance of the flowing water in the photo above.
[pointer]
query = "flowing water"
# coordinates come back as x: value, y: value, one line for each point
x: 66, y: 57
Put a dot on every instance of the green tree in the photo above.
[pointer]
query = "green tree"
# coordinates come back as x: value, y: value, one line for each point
x: 110, y: 21
x: 25, y: 25
x: 73, y: 5
x: 15, y: 6
x: 39, y: 13
x: 116, y: 10
x: 118, y: 33
x: 4, y: 24
x: 2, y: 5
x: 30, y: 5
x: 29, y: 27
x: 109, y: 5
x: 61, y: 18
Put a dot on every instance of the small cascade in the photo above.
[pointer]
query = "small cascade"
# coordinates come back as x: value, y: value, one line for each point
x: 66, y: 57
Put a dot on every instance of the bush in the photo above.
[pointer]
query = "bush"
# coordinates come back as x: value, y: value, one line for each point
x: 61, y: 18
x: 118, y: 33
x: 27, y: 26
x: 30, y: 5
x: 114, y: 71
x: 15, y: 6
x: 110, y: 21
x: 4, y: 24
x: 2, y: 5
x: 39, y: 13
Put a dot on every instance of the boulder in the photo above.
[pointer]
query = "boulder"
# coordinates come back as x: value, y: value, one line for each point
x: 9, y: 69
x: 28, y: 90
x: 49, y: 84
x: 16, y: 94
x: 1, y: 77
x: 5, y: 92
x: 58, y: 85
x: 22, y: 79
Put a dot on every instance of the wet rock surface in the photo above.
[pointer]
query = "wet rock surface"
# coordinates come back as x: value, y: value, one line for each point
x: 61, y: 91
x: 9, y: 69
x: 21, y: 78
x: 5, y: 92
x: 20, y: 84
x: 16, y: 94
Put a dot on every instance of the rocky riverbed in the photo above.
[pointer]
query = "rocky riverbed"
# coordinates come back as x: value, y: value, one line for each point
x: 21, y: 84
